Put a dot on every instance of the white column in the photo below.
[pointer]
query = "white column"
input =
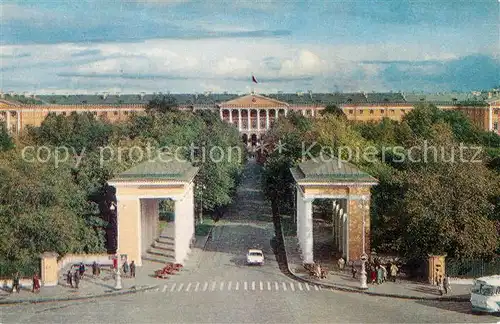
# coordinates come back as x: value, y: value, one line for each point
x: 345, y: 228
x: 249, y: 120
x: 312, y: 112
x: 267, y: 119
x: 8, y: 121
x: 490, y: 118
x: 258, y: 120
x: 220, y: 112
x: 239, y: 120
x: 18, y: 115
x: 180, y: 231
x: 231, y: 116
x: 286, y: 112
x: 276, y: 114
x: 303, y: 112
x: 299, y: 214
x: 308, y: 254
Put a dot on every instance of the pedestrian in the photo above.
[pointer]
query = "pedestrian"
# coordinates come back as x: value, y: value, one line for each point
x: 126, y: 268
x: 384, y: 273
x: 36, y: 283
x: 394, y: 272
x: 98, y: 270
x: 446, y: 284
x: 341, y: 263
x: 94, y: 269
x: 440, y: 285
x: 380, y: 275
x: 69, y: 278
x: 82, y: 269
x: 373, y: 274
x: 76, y: 278
x: 15, y: 282
x: 132, y: 269
x: 353, y: 270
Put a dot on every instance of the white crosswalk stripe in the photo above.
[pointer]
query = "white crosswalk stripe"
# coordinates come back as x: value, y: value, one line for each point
x: 234, y: 286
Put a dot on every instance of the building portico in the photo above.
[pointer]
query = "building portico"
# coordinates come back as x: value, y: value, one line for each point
x: 349, y: 189
x: 138, y: 193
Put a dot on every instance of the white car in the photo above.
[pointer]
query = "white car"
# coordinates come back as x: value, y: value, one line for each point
x: 255, y: 256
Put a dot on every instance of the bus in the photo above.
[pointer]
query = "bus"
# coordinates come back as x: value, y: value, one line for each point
x: 485, y: 294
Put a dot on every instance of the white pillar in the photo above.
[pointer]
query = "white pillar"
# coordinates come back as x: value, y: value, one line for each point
x: 8, y: 121
x: 490, y: 118
x: 249, y: 120
x: 286, y: 112
x: 345, y: 230
x: 308, y: 254
x: 18, y: 115
x: 239, y: 119
x: 275, y: 114
x: 303, y: 112
x: 312, y: 112
x: 231, y: 116
x: 258, y: 120
x: 267, y: 119
x: 180, y: 231
x: 299, y: 214
x: 220, y: 112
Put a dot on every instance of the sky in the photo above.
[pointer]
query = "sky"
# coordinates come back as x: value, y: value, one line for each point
x: 183, y: 46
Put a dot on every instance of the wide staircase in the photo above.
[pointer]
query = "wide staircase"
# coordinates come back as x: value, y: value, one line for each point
x: 162, y: 250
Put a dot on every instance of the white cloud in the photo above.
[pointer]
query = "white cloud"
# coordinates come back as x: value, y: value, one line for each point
x: 206, y: 64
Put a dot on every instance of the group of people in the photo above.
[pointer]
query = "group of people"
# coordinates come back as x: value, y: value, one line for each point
x: 129, y: 268
x: 378, y: 273
x: 16, y: 283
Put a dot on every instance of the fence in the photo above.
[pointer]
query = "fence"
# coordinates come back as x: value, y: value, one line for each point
x: 474, y: 268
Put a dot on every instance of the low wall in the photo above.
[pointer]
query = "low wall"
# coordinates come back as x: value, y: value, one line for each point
x: 87, y: 259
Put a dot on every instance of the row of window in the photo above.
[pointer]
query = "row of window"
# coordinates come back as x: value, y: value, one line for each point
x: 372, y: 111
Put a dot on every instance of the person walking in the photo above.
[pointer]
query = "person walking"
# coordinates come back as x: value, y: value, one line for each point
x: 353, y: 270
x: 36, y: 283
x: 15, y: 282
x: 132, y: 269
x: 82, y: 269
x: 126, y: 268
x: 380, y: 275
x: 440, y: 285
x: 446, y: 285
x: 384, y: 273
x: 69, y: 278
x: 94, y: 269
x: 341, y: 264
x: 394, y: 272
x: 76, y: 278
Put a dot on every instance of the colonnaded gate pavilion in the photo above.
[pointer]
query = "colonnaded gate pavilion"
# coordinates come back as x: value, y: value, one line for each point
x: 349, y: 189
x: 139, y: 191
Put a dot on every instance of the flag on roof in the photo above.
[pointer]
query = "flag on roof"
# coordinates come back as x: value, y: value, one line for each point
x: 254, y: 79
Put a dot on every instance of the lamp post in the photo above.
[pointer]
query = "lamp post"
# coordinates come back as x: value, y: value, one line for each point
x: 118, y: 278
x: 364, y: 257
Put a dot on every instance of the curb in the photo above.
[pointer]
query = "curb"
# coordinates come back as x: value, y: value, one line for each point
x: 359, y: 291
x: 57, y: 299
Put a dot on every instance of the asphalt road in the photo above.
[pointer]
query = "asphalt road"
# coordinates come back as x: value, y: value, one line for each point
x: 222, y: 289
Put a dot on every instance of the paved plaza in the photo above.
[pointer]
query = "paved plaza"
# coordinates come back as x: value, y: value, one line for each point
x: 216, y: 286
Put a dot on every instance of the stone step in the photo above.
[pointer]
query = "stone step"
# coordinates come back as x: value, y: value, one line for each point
x: 160, y: 252
x: 163, y: 246
x: 158, y: 259
x: 166, y: 241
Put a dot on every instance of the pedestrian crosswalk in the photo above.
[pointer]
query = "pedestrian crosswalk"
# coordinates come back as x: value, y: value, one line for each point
x: 237, y: 286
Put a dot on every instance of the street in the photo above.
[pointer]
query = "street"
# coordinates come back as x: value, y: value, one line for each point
x: 221, y: 288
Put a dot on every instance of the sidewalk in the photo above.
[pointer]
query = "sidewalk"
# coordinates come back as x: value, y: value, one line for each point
x: 104, y: 285
x: 342, y: 280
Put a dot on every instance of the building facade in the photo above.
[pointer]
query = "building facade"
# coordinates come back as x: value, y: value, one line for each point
x: 252, y: 114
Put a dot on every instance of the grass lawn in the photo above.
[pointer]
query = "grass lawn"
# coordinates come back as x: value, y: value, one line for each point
x: 204, y: 229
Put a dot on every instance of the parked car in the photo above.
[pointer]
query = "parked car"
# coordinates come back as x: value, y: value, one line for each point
x: 255, y: 256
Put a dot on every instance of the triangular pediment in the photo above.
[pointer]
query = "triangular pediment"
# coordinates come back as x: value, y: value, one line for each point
x: 254, y: 100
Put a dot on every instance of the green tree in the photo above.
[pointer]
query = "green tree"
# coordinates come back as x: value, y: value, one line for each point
x: 6, y: 142
x: 162, y: 104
